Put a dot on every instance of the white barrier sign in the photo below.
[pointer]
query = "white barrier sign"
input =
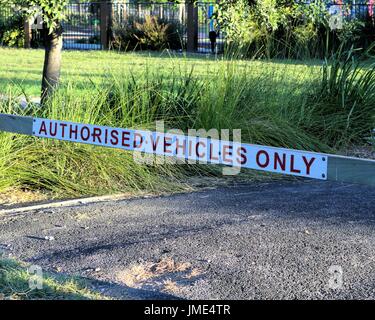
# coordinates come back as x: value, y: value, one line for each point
x: 203, y: 150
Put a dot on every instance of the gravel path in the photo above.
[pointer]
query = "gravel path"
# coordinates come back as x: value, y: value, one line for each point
x: 283, y: 240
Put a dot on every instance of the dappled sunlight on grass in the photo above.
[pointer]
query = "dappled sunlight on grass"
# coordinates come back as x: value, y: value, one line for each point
x: 15, y: 284
x: 23, y: 68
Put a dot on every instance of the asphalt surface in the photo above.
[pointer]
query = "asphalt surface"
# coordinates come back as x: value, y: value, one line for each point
x: 280, y: 240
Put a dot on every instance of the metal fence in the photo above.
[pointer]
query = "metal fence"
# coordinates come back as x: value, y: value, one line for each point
x: 82, y: 26
x: 207, y: 29
x: 9, y: 19
x: 166, y: 13
x: 88, y: 25
x: 5, y: 15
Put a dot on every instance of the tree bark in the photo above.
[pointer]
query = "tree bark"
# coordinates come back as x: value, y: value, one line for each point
x: 52, y: 62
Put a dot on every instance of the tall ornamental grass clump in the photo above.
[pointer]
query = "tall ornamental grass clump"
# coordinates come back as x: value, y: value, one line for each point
x: 149, y: 33
x: 69, y: 169
x: 344, y: 103
x: 285, y: 105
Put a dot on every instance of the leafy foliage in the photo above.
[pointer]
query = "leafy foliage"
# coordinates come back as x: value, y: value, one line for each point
x: 13, y: 38
x: 150, y: 34
x: 286, y: 29
x: 52, y: 11
x: 12, y: 32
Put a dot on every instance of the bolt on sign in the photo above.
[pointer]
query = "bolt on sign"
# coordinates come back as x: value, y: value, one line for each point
x: 190, y: 148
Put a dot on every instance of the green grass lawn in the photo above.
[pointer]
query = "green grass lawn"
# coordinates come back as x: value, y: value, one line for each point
x: 15, y: 281
x: 22, y: 68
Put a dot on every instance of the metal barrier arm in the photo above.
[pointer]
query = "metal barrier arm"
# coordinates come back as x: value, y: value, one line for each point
x: 16, y: 124
x: 351, y: 170
x: 339, y: 168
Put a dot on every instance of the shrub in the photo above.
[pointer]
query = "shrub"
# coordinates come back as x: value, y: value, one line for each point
x: 237, y: 21
x: 285, y: 29
x: 125, y: 36
x: 344, y: 104
x: 11, y: 31
x: 14, y: 38
x: 151, y: 34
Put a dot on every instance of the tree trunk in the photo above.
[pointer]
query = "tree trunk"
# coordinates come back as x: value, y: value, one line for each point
x: 52, y: 62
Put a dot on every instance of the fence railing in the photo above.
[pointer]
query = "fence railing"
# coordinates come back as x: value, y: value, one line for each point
x: 82, y: 26
x: 89, y: 25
